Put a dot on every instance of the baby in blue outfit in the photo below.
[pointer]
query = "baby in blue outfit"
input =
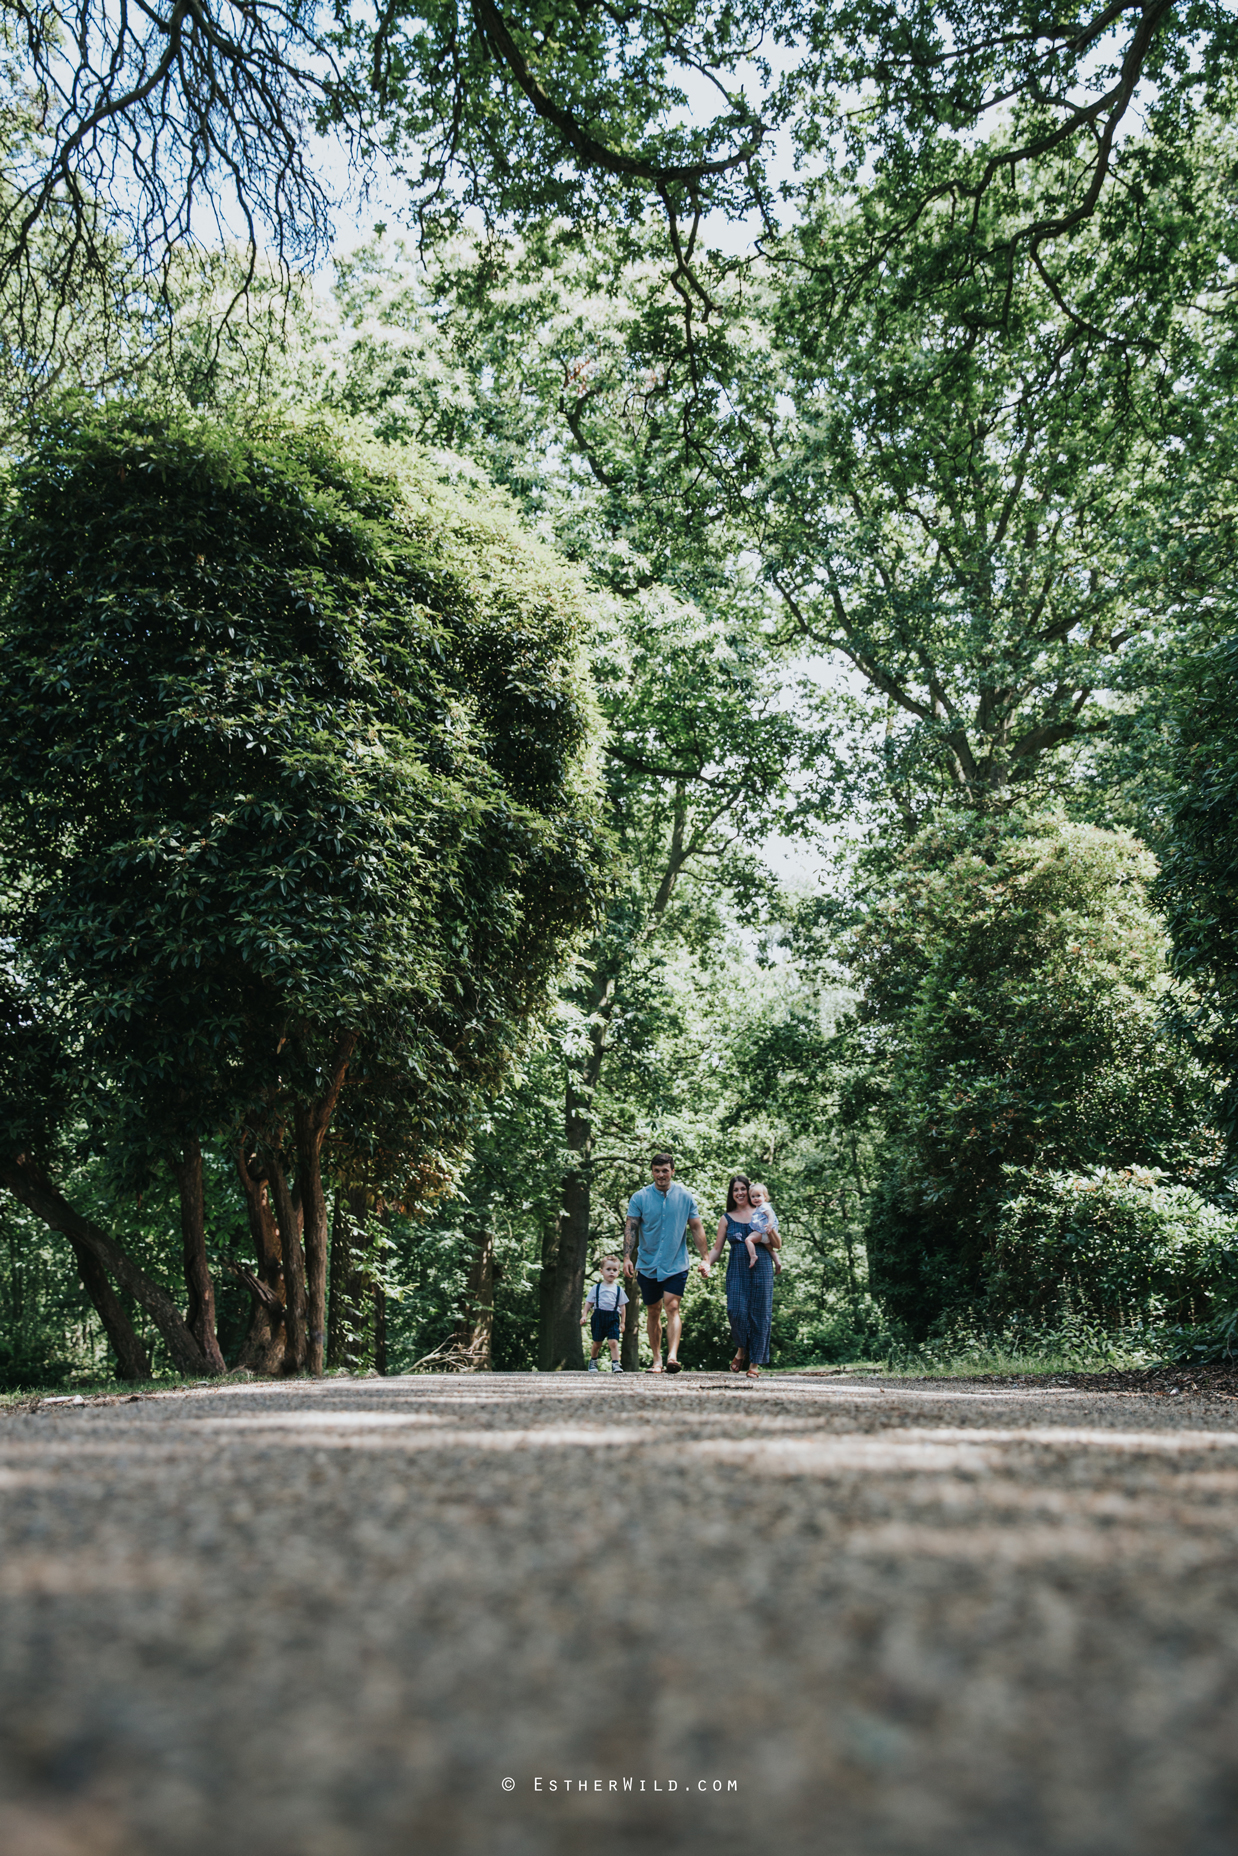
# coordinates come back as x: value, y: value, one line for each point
x: 764, y: 1226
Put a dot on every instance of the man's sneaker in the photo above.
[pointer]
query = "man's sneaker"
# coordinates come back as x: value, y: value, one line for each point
x: 593, y: 1366
x: 615, y: 1367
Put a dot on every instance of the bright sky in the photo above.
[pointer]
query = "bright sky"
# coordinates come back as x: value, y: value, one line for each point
x: 388, y: 197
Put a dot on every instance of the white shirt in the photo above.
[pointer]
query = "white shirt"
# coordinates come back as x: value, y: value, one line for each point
x: 606, y: 1296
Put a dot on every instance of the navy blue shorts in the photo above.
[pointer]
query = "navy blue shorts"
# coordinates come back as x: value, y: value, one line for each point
x: 652, y: 1291
x: 604, y: 1324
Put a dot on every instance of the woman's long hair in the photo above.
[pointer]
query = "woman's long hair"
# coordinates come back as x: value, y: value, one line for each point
x: 736, y: 1179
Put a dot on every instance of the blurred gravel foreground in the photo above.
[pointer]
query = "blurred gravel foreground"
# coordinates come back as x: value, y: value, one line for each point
x: 339, y: 1620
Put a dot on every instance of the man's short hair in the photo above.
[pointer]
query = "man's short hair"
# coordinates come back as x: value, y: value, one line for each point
x: 663, y: 1160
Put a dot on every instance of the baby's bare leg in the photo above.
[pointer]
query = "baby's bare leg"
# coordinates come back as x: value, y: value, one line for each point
x: 750, y: 1246
x: 765, y: 1238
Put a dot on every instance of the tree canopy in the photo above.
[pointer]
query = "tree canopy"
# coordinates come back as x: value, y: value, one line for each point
x: 872, y: 367
x: 298, y: 764
x: 144, y: 121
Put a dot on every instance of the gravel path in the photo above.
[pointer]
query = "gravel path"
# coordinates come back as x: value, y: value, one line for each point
x: 867, y: 1618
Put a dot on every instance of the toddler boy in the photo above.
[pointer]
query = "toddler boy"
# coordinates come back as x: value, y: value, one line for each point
x: 604, y: 1306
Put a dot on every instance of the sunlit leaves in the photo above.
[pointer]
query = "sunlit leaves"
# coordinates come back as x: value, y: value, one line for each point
x: 295, y: 744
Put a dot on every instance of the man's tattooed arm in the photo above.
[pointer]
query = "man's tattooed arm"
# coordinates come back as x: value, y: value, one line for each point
x: 631, y: 1232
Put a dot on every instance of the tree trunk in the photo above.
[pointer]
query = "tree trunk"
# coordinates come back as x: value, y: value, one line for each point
x: 132, y: 1361
x: 263, y: 1351
x: 311, y: 1121
x: 380, y: 1331
x: 633, y: 1327
x: 200, y: 1317
x: 564, y: 1350
x: 563, y: 1281
x: 293, y: 1259
x: 853, y: 1287
x: 35, y: 1191
x: 475, y: 1329
x: 351, y: 1306
x: 314, y: 1214
x: 859, y: 1187
x: 546, y: 1286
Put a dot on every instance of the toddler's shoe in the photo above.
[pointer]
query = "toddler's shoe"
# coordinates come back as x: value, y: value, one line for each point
x: 615, y: 1367
x: 593, y: 1366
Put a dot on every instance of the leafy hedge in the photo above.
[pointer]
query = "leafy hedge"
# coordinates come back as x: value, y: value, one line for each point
x: 1120, y: 1246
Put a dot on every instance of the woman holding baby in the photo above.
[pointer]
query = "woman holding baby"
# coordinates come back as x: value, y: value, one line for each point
x: 751, y: 1229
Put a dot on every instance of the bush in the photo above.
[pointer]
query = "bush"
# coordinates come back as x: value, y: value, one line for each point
x: 1015, y: 988
x: 811, y: 1336
x: 1208, y: 1345
x: 1070, y: 1343
x: 706, y: 1341
x: 1117, y: 1247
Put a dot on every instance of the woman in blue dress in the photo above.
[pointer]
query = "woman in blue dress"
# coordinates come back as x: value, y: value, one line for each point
x: 749, y: 1292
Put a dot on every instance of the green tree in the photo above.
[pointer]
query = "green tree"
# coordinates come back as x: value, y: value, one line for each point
x: 1199, y: 875
x: 705, y: 752
x: 960, y: 513
x: 301, y: 746
x: 1014, y: 994
x: 973, y: 518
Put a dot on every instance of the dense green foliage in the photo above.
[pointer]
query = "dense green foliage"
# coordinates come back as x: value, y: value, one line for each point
x: 1014, y: 983
x: 298, y: 780
x: 290, y: 745
x: 890, y: 513
x: 1199, y: 881
x: 1124, y: 1249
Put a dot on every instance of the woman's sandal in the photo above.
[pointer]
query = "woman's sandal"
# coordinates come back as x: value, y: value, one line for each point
x: 737, y: 1364
x: 754, y: 1372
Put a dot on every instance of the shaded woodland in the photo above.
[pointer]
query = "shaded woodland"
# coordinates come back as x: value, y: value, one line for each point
x: 712, y: 629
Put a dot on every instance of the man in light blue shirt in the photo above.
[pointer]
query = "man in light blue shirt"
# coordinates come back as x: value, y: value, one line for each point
x: 658, y: 1218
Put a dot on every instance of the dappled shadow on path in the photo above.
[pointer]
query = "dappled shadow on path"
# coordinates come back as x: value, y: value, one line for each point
x: 331, y: 1619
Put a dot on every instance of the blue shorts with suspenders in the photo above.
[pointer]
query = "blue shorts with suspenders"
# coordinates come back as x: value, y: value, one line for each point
x: 604, y: 1324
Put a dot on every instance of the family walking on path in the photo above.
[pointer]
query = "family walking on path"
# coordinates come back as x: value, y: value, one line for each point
x: 655, y: 1255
